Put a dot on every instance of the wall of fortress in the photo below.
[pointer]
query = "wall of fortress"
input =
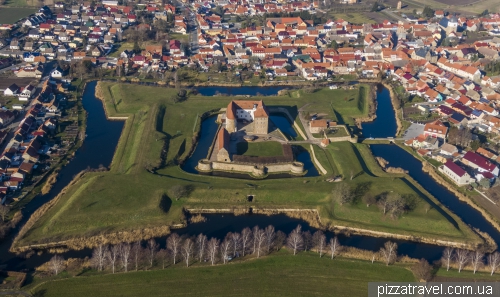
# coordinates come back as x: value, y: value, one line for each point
x: 258, y: 170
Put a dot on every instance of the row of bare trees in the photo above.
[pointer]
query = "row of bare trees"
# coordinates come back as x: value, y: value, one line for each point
x: 256, y: 242
x: 475, y: 259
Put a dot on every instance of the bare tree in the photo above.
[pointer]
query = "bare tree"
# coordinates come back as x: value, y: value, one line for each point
x: 162, y: 256
x: 396, y: 203
x: 225, y: 248
x: 246, y: 237
x: 260, y: 238
x: 4, y: 211
x: 99, y: 257
x: 125, y: 249
x: 319, y: 240
x: 152, y: 249
x: 334, y: 246
x: 295, y: 241
x: 236, y: 242
x: 112, y: 255
x: 342, y: 194
x: 493, y: 261
x: 255, y: 230
x: 308, y: 240
x: 389, y: 251
x: 201, y: 242
x: 174, y: 245
x: 422, y: 270
x: 137, y: 254
x: 369, y: 199
x: 447, y: 257
x: 279, y: 240
x: 56, y: 264
x: 270, y: 235
x: 383, y: 203
x: 187, y: 250
x: 477, y: 260
x: 462, y: 256
x: 212, y: 248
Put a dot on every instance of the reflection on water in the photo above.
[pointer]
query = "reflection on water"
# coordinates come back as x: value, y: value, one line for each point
x: 284, y: 125
x: 385, y: 124
x: 207, y: 134
x: 305, y: 158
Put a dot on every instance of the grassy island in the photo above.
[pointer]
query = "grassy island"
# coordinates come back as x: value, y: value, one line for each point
x: 130, y: 197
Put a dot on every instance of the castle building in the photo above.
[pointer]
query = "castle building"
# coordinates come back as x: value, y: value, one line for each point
x: 223, y: 146
x: 251, y: 111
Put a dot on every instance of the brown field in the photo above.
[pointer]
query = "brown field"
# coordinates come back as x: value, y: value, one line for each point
x: 22, y: 82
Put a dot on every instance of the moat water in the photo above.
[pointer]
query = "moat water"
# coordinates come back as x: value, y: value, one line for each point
x: 101, y: 141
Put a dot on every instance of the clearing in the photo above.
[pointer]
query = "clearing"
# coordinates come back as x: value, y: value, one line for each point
x: 129, y: 197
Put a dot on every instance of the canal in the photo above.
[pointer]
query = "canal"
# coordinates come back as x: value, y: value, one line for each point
x: 101, y: 131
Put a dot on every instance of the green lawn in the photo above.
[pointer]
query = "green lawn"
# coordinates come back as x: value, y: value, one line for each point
x: 281, y: 274
x: 12, y: 15
x: 129, y: 197
x: 338, y: 105
x: 260, y: 149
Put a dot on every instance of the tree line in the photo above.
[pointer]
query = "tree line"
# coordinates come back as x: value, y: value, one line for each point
x: 190, y: 249
x: 257, y: 242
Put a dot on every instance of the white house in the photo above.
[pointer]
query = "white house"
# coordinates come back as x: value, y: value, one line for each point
x: 26, y: 93
x: 57, y: 73
x: 12, y: 90
x: 456, y: 173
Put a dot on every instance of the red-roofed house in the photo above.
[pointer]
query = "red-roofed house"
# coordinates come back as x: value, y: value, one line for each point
x: 480, y: 163
x: 456, y: 173
x: 435, y: 129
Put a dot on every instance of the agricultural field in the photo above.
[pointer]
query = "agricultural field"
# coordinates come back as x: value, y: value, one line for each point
x: 10, y: 15
x: 257, y: 277
x: 130, y: 197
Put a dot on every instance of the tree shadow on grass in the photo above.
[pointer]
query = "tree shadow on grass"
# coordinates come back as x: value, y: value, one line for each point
x: 165, y: 203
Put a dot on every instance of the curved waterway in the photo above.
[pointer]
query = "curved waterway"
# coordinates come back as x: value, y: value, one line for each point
x: 235, y: 91
x: 103, y: 137
x: 97, y: 149
x: 385, y: 124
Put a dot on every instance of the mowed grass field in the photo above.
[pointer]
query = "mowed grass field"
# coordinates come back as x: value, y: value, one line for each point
x: 281, y: 274
x: 11, y: 15
x: 130, y: 197
x: 339, y: 105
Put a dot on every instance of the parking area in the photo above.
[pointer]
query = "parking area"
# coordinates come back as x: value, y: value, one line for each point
x: 413, y: 131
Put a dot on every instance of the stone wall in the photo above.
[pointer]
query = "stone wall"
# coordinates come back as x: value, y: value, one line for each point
x: 258, y: 170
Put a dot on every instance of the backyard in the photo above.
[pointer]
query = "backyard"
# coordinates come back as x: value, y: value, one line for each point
x: 103, y: 202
